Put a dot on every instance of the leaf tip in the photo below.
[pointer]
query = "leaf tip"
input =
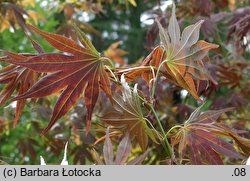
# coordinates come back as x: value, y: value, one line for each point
x: 248, y: 161
x: 173, y: 8
x: 201, y: 22
x: 42, y: 161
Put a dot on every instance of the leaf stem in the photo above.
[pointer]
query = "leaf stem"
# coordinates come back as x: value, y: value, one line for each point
x: 166, y: 144
x: 156, y: 79
x: 112, y: 73
x: 171, y: 129
x: 106, y: 59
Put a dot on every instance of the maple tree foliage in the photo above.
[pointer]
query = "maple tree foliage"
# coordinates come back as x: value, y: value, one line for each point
x: 181, y: 55
x: 115, y: 53
x: 18, y: 78
x: 122, y: 154
x: 82, y: 71
x: 201, y: 134
x: 239, y: 27
x: 143, y: 102
x: 12, y: 13
x: 128, y: 113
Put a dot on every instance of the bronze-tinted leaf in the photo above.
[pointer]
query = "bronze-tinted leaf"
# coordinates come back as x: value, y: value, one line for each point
x: 239, y: 28
x: 122, y: 154
x: 204, y: 139
x: 27, y: 146
x: 179, y: 57
x: 128, y: 114
x: 12, y: 14
x: 184, y: 54
x: 16, y: 78
x: 123, y: 150
x: 243, y: 143
x: 115, y: 53
x: 108, y: 150
x: 81, y: 72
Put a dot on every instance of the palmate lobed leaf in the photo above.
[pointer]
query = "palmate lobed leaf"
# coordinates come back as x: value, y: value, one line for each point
x: 17, y: 79
x: 27, y: 146
x: 83, y: 70
x: 13, y: 14
x: 122, y: 154
x: 127, y: 113
x: 243, y: 143
x: 203, y: 137
x: 181, y: 55
x: 184, y: 54
x: 115, y: 53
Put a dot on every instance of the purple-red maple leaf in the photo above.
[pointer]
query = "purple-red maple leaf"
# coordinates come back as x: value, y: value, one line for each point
x: 79, y: 69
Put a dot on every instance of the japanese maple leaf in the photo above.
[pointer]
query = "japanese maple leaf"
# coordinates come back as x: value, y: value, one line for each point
x: 115, y: 53
x: 79, y: 69
x: 27, y: 146
x: 202, y: 138
x: 179, y: 57
x: 12, y: 14
x: 17, y: 78
x: 128, y: 114
x: 184, y: 54
x: 122, y: 154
